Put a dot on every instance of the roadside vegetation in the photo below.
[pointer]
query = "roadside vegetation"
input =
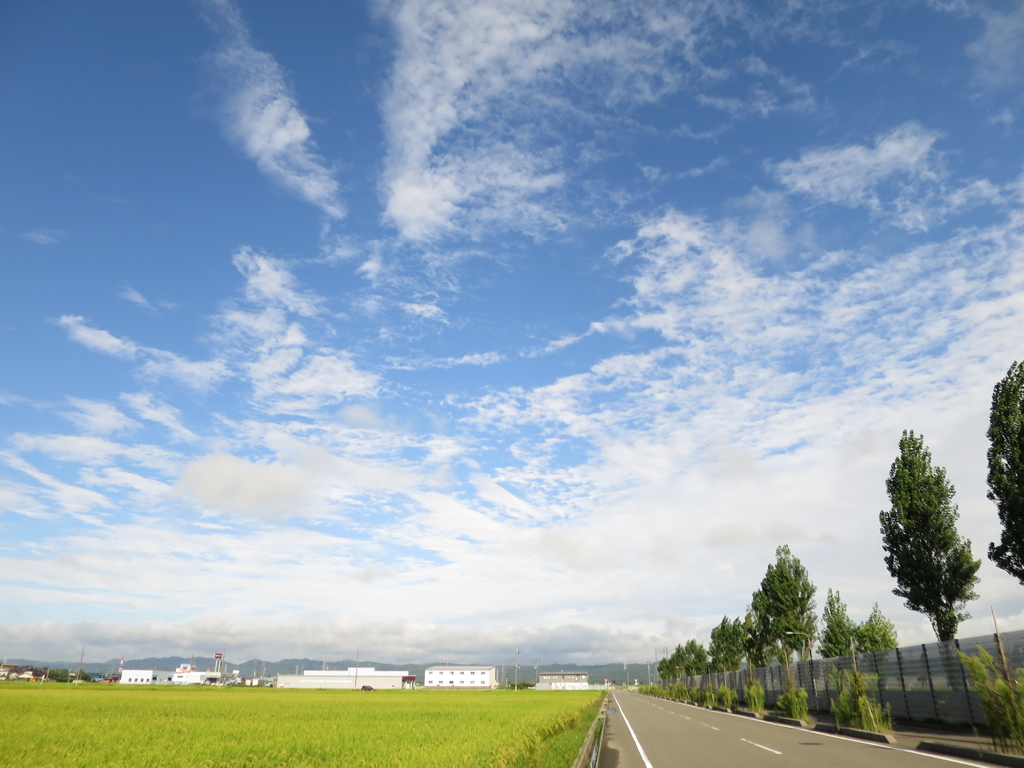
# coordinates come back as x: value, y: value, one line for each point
x: 853, y: 707
x: 1002, y: 696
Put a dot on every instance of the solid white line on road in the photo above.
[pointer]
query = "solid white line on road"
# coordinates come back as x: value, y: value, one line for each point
x: 643, y: 755
x: 762, y: 746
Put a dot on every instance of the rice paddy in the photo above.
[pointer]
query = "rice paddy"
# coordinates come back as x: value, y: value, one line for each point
x: 89, y: 726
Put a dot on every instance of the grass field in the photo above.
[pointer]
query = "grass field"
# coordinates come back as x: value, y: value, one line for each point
x: 114, y: 726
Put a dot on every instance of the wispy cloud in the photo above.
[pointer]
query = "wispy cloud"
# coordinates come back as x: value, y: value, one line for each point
x: 999, y: 52
x: 901, y: 178
x: 96, y: 338
x: 477, y: 94
x: 43, y: 236
x: 98, y: 417
x: 154, y: 362
x: 473, y: 358
x: 263, y: 116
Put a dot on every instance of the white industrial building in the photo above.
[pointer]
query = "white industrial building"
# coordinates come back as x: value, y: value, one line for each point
x: 563, y: 681
x: 477, y: 676
x: 189, y: 674
x: 146, y: 677
x: 351, y: 678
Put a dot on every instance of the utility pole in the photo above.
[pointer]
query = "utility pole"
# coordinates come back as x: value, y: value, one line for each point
x: 517, y: 669
x: 536, y: 669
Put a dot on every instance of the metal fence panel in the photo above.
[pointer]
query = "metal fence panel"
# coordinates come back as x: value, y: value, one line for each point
x: 921, y: 682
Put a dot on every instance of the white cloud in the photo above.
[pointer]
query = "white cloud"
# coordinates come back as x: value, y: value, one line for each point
x: 234, y: 485
x: 130, y: 294
x: 474, y: 358
x: 262, y: 115
x: 79, y: 503
x: 97, y: 339
x: 318, y: 380
x: 852, y: 175
x: 999, y: 52
x: 425, y: 311
x: 480, y: 94
x: 268, y: 281
x: 198, y: 374
x: 156, y: 363
x: 99, y: 418
x: 160, y: 413
x: 43, y: 236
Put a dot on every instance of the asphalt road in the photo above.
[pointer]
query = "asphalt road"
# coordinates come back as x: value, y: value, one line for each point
x: 644, y: 732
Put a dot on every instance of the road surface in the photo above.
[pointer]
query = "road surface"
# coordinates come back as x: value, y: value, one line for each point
x: 645, y: 732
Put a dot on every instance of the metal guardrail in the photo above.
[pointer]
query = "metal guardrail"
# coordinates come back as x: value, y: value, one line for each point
x: 918, y: 682
x: 587, y: 757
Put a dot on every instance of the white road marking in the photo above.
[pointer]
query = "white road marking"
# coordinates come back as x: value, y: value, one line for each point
x: 762, y: 746
x: 643, y: 755
x: 709, y: 726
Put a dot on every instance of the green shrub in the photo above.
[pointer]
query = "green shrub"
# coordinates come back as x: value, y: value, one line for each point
x: 1002, y: 697
x: 755, y: 696
x: 793, y: 703
x: 709, y: 696
x: 853, y: 707
x: 680, y: 692
x: 727, y: 697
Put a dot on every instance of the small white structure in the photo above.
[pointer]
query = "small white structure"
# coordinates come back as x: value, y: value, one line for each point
x: 479, y: 676
x: 351, y: 678
x: 146, y: 677
x: 563, y: 681
x: 188, y: 674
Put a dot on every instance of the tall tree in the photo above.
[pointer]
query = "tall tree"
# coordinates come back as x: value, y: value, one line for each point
x: 784, y: 605
x: 726, y: 649
x: 877, y: 633
x: 933, y: 567
x: 838, y: 632
x: 1006, y: 470
x: 695, y: 658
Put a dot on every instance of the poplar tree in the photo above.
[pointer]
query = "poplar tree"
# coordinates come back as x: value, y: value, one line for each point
x: 785, y: 604
x: 727, y: 641
x: 1006, y: 470
x: 877, y: 633
x: 838, y: 633
x: 933, y: 567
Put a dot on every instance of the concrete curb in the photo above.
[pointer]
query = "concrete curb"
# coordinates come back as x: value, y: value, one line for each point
x: 745, y: 713
x: 1013, y: 761
x: 881, y: 738
x: 785, y: 720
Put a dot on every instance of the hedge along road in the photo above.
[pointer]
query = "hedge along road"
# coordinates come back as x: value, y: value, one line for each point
x: 645, y: 732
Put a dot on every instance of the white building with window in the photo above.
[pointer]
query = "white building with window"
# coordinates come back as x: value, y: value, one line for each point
x: 479, y: 676
x: 146, y: 677
x: 563, y: 681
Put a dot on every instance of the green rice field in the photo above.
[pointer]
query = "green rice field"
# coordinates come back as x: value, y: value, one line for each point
x: 114, y: 726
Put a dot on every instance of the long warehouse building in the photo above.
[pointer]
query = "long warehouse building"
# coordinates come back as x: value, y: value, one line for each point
x: 351, y: 678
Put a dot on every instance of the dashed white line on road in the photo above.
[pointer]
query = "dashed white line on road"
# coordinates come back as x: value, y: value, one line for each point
x: 709, y: 726
x: 762, y: 746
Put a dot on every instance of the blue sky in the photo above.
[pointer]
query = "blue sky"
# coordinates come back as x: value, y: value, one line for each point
x: 437, y: 329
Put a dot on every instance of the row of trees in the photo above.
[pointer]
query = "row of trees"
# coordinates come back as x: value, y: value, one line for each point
x: 935, y: 572
x: 934, y: 569
x: 779, y: 622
